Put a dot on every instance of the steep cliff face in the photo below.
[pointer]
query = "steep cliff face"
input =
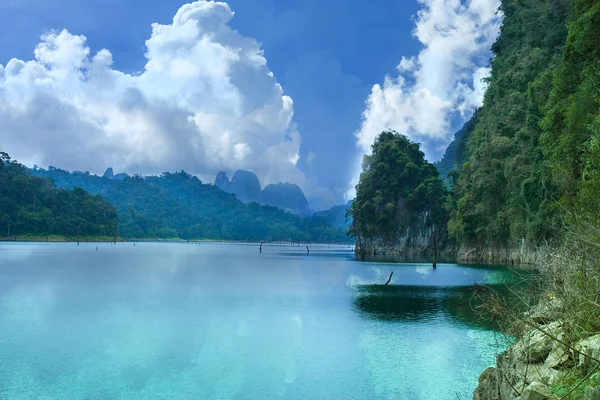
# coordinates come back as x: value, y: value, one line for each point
x: 108, y: 173
x: 222, y: 182
x: 246, y: 186
x: 286, y: 196
x: 416, y: 241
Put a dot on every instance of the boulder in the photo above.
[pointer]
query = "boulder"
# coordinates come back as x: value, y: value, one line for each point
x: 591, y: 348
x: 537, y: 391
x: 535, y: 345
x: 592, y: 394
x: 488, y: 386
x: 538, y: 372
x: 559, y: 356
x: 546, y: 311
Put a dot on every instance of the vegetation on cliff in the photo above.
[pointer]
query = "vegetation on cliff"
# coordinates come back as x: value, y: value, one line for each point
x: 34, y: 206
x: 504, y: 191
x: 397, y: 188
x: 524, y: 169
x: 533, y: 172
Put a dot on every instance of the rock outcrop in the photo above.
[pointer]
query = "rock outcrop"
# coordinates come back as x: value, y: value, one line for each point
x: 109, y: 174
x: 530, y: 366
x: 521, y: 372
x: 222, y: 182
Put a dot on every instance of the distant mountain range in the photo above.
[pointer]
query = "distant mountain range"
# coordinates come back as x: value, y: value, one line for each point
x: 179, y: 205
x: 246, y: 186
x: 336, y: 216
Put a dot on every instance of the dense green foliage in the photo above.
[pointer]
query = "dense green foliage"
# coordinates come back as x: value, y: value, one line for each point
x: 571, y: 138
x: 34, y: 206
x: 396, y: 187
x: 537, y: 137
x: 504, y: 192
x: 535, y: 140
x: 179, y: 205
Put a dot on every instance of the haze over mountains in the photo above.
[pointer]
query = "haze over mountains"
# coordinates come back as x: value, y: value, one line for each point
x: 179, y: 205
x: 246, y: 186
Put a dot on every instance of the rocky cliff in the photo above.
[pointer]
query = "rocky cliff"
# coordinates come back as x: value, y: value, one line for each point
x: 533, y: 367
x: 417, y: 241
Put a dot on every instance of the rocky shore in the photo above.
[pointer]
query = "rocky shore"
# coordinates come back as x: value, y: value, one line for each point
x: 535, y: 365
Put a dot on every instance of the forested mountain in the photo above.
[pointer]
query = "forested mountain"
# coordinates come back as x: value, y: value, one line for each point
x: 180, y: 205
x: 34, y: 206
x: 535, y: 140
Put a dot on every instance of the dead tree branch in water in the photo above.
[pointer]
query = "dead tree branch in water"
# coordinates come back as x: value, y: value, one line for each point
x: 390, y: 278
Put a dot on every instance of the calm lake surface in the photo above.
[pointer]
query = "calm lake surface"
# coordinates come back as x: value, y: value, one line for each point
x: 222, y: 321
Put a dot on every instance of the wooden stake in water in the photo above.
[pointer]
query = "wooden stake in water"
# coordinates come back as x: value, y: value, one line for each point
x: 78, y: 227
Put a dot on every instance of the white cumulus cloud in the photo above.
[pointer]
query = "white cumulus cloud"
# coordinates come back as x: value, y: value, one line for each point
x: 443, y: 80
x: 205, y: 101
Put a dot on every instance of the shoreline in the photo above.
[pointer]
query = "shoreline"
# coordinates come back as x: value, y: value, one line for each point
x: 105, y: 239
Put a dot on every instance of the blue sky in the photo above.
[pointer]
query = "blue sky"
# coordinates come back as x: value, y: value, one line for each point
x: 326, y: 56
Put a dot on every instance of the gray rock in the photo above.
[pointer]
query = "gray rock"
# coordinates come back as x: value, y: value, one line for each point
x: 591, y: 348
x: 535, y: 345
x: 545, y: 311
x: 538, y: 372
x: 592, y: 394
x: 559, y: 356
x: 537, y: 391
x: 488, y: 387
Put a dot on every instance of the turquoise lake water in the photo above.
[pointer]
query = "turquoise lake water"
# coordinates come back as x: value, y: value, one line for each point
x: 222, y: 321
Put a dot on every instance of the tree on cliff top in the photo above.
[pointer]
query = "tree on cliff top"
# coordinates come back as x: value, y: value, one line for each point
x: 396, y: 187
